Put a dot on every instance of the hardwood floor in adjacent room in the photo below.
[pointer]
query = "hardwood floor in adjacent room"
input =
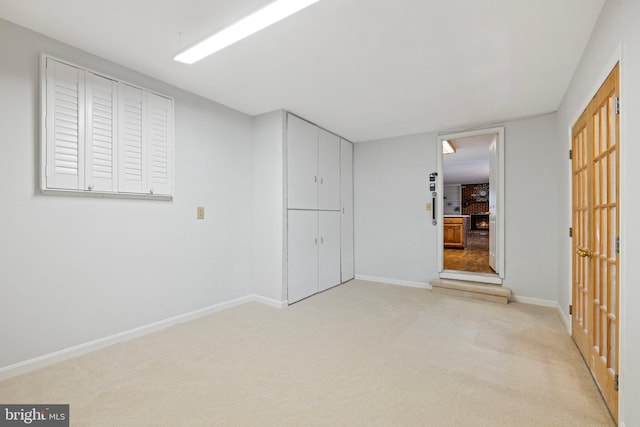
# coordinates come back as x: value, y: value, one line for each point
x: 474, y: 258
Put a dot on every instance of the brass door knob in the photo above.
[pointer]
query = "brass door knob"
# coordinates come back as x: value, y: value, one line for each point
x: 584, y: 253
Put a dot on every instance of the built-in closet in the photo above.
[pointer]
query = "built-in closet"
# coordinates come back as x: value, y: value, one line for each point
x: 303, y: 180
x: 319, y: 175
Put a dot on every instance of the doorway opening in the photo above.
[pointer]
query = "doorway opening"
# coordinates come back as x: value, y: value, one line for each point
x: 471, y: 213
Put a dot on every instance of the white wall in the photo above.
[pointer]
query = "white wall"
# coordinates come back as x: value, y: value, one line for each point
x: 75, y: 269
x: 531, y: 214
x: 268, y: 209
x: 394, y: 236
x: 617, y: 24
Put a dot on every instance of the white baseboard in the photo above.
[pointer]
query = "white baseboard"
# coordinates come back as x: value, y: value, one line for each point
x: 388, y: 281
x: 26, y: 366
x: 566, y: 320
x: 270, y: 302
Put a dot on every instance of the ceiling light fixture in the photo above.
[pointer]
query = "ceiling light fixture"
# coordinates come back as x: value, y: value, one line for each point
x: 448, y: 147
x: 253, y: 23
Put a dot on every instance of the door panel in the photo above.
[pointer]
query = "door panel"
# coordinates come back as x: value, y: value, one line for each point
x: 595, y: 325
x: 302, y: 164
x: 580, y: 172
x: 328, y: 171
x: 328, y: 249
x: 302, y: 262
x: 493, y: 206
x: 346, y: 220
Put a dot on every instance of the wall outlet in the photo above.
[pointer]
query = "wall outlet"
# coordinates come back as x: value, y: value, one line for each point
x: 200, y: 212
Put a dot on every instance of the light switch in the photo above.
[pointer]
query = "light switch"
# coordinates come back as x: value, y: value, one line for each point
x: 200, y: 212
x: 428, y: 207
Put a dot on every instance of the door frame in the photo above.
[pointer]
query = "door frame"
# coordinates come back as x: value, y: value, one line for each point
x: 500, y: 240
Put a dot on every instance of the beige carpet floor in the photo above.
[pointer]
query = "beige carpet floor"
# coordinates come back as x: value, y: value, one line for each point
x: 361, y: 354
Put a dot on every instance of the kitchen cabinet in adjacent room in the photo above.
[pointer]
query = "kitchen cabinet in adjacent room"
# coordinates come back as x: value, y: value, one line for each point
x: 455, y: 231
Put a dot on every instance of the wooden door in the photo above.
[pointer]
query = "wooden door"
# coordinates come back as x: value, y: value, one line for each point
x: 346, y: 220
x: 595, y: 182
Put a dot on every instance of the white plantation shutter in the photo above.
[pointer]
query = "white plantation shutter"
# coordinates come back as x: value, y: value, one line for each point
x: 101, y: 133
x: 132, y: 140
x: 64, y: 126
x: 160, y: 156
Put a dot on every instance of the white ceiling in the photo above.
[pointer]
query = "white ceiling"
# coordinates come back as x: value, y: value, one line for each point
x: 470, y: 163
x: 366, y: 69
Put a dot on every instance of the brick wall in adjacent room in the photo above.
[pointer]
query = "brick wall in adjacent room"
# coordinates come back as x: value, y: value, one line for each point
x: 469, y: 205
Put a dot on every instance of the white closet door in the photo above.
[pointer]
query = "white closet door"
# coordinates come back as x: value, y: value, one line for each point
x: 329, y: 249
x: 346, y: 220
x: 302, y: 259
x: 302, y: 164
x: 132, y: 174
x: 159, y: 162
x: 328, y: 171
x: 101, y: 148
x: 65, y: 126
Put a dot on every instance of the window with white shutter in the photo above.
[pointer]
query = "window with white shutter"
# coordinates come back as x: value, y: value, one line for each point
x: 64, y: 126
x: 104, y: 136
x: 159, y: 165
x: 101, y: 133
x: 132, y: 147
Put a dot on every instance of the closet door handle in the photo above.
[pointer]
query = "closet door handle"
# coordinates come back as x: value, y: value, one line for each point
x: 315, y: 179
x: 321, y: 180
x: 321, y: 240
x: 316, y: 239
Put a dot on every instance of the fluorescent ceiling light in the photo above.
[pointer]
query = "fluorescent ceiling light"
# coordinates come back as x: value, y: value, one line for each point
x: 448, y: 147
x: 253, y: 23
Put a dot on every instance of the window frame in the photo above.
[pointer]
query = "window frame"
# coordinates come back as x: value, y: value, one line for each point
x: 116, y: 193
